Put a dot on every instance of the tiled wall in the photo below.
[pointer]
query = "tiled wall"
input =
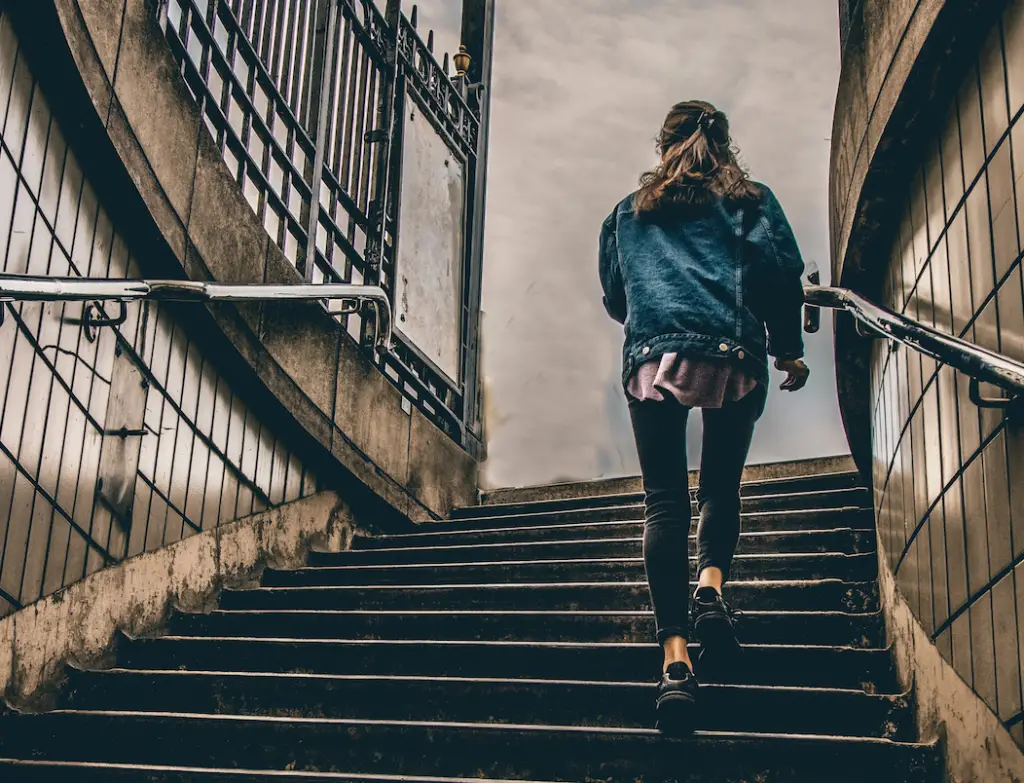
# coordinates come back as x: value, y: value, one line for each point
x: 75, y: 493
x: 948, y: 476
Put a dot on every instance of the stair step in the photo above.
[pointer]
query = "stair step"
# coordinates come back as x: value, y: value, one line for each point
x: 615, y: 522
x: 493, y: 700
x: 31, y: 771
x: 455, y: 749
x: 804, y: 491
x: 825, y: 628
x: 783, y: 595
x: 807, y: 666
x: 838, y: 541
x: 801, y: 566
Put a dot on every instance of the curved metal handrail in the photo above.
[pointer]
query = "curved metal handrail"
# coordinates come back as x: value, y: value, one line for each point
x: 981, y: 364
x: 354, y: 298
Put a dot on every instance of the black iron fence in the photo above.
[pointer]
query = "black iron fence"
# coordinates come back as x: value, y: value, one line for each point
x: 307, y: 100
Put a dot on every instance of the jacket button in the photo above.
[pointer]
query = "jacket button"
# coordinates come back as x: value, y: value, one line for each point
x: 723, y: 347
x: 647, y: 350
x: 740, y: 355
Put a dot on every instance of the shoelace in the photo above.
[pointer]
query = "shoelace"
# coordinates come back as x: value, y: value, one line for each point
x: 735, y: 616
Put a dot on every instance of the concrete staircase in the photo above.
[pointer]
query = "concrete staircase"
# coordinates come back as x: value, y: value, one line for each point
x: 513, y: 642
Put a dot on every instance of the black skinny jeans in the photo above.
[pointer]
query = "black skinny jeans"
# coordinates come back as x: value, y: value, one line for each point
x: 659, y: 428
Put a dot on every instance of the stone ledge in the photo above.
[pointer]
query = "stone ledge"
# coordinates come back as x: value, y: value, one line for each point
x: 80, y: 623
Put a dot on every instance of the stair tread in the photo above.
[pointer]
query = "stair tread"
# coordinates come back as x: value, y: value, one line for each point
x: 494, y: 643
x: 453, y: 528
x: 502, y: 613
x: 752, y: 556
x: 527, y: 585
x: 744, y: 536
x: 748, y: 491
x: 243, y: 774
x: 499, y: 727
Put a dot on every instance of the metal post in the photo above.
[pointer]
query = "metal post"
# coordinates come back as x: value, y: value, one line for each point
x: 389, y: 121
x: 478, y: 37
x: 324, y: 96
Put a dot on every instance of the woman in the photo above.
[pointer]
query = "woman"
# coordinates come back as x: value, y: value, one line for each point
x: 702, y: 268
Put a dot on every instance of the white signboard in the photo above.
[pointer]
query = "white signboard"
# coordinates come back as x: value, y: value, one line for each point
x: 428, y: 284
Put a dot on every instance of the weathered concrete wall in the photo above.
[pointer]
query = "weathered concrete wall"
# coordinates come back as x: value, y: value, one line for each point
x: 79, y: 623
x: 108, y: 63
x: 977, y: 745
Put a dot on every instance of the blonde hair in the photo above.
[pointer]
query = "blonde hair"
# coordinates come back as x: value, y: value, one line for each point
x: 698, y: 162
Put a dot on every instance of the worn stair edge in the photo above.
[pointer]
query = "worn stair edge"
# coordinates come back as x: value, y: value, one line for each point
x: 792, y: 709
x: 767, y: 664
x: 813, y: 565
x: 840, y: 540
x: 781, y: 520
x: 448, y: 748
x: 840, y: 478
x: 861, y: 630
x: 817, y: 499
x: 222, y: 773
x: 828, y: 594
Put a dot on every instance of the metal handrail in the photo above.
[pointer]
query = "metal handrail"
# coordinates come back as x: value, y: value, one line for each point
x: 981, y: 364
x: 354, y: 298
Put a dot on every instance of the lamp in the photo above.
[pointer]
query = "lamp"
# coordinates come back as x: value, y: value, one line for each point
x: 462, y: 61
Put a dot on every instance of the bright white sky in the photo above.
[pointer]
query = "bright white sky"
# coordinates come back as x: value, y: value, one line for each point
x: 580, y: 89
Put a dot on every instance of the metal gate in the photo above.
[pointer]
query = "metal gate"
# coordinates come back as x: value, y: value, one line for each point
x: 314, y: 105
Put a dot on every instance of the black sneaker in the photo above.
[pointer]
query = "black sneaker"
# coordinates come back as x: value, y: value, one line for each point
x: 677, y: 697
x: 714, y: 626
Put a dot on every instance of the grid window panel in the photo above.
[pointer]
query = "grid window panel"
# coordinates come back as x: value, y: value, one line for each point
x: 979, y: 233
x: 956, y: 547
x: 1011, y: 316
x: 1004, y: 212
x: 983, y: 648
x: 1007, y: 652
x: 993, y: 89
x: 972, y: 140
x: 997, y: 505
x: 1013, y: 35
x: 977, y: 529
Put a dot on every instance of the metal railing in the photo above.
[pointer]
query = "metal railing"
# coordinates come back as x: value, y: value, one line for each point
x: 980, y: 364
x: 306, y: 100
x: 353, y: 298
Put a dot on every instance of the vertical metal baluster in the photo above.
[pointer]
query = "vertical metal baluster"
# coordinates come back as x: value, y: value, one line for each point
x: 321, y: 138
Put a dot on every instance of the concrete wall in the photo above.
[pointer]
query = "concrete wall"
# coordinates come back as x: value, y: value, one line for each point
x: 80, y: 624
x: 925, y: 197
x: 107, y: 66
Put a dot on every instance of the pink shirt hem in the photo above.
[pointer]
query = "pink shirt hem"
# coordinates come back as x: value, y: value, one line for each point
x: 695, y: 383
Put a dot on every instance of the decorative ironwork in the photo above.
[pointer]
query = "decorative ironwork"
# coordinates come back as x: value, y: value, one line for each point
x: 304, y: 99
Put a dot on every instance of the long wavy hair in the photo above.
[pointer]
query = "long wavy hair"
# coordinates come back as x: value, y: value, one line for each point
x: 698, y: 163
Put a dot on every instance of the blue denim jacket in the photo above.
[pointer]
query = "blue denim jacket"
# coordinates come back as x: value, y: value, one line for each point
x: 724, y: 281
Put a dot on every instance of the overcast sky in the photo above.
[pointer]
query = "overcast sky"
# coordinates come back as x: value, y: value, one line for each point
x: 580, y: 89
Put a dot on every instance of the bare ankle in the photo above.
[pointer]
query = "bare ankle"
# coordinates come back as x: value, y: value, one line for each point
x: 676, y: 651
x: 711, y: 577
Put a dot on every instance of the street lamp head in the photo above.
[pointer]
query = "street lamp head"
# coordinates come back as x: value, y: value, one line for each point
x: 462, y: 61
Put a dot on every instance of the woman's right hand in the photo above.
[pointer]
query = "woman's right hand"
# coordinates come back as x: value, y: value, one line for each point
x: 797, y: 374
